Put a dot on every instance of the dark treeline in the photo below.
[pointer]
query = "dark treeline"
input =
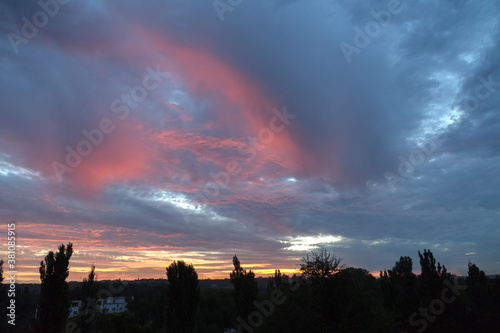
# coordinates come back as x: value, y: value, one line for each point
x: 325, y: 297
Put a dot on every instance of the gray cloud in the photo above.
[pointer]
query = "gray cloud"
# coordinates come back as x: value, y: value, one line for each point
x: 411, y: 83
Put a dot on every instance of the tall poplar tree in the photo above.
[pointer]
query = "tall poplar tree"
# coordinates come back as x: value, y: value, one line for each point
x: 53, y: 308
x: 245, y: 288
x: 183, y: 297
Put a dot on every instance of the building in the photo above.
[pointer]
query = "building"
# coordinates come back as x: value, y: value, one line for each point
x: 112, y: 305
x: 73, y: 308
x: 105, y: 305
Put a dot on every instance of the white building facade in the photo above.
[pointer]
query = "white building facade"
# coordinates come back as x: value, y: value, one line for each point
x: 104, y: 305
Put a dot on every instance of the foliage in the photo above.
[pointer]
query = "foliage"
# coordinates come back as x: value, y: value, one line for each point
x: 479, y: 292
x: 88, y: 311
x: 356, y: 306
x: 347, y: 300
x: 399, y: 288
x: 431, y: 277
x: 53, y: 307
x: 184, y: 294
x: 3, y: 289
x: 323, y: 264
x: 149, y: 304
x: 245, y: 288
x: 216, y: 310
x: 296, y: 313
x: 276, y: 280
x: 1, y: 272
x: 3, y: 298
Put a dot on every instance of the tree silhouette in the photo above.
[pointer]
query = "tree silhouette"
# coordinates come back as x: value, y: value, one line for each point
x: 3, y: 303
x: 88, y: 308
x: 1, y: 271
x: 276, y: 280
x: 1, y: 283
x: 53, y: 307
x: 318, y: 272
x: 355, y: 306
x: 3, y: 289
x: 431, y: 277
x: 183, y: 297
x: 326, y: 298
x: 495, y: 296
x: 88, y: 283
x: 245, y: 288
x: 399, y: 288
x: 323, y: 264
x: 479, y: 291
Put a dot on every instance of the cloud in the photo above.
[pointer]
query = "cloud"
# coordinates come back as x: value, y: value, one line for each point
x: 253, y: 134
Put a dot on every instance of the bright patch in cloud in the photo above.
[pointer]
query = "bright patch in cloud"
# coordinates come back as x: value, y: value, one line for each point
x: 7, y: 169
x: 307, y: 243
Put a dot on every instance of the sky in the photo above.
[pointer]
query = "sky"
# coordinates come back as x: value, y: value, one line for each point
x: 150, y: 131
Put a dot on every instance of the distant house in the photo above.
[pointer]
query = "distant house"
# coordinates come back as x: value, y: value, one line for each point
x: 112, y: 305
x: 105, y: 305
x: 73, y: 309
